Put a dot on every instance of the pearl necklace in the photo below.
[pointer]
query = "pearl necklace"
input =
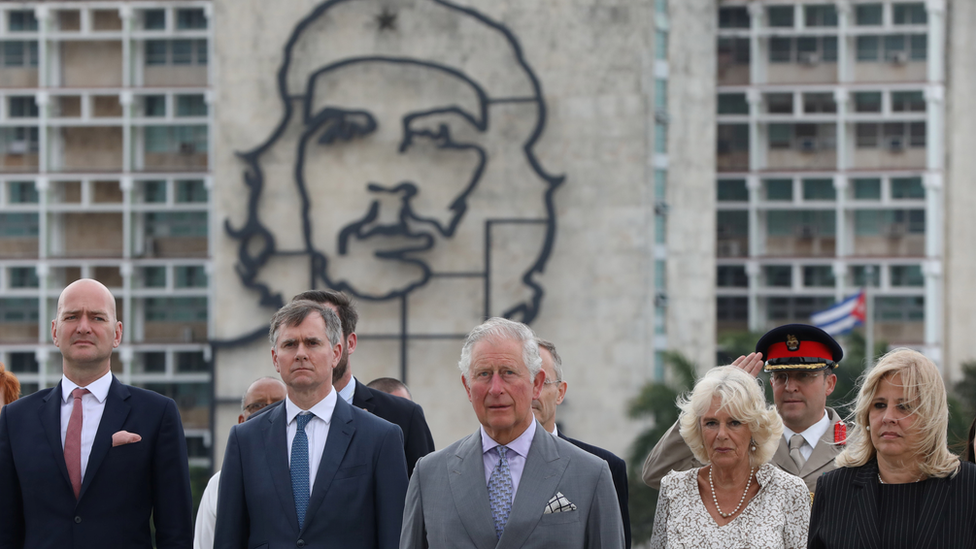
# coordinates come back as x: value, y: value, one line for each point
x: 919, y: 479
x: 742, y: 500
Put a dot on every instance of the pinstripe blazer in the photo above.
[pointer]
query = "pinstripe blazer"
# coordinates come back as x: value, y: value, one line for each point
x: 845, y: 510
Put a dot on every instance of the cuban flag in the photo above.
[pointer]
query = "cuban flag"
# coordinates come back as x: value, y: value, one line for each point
x: 842, y: 317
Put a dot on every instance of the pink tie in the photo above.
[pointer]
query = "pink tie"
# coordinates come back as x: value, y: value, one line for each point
x: 72, y: 441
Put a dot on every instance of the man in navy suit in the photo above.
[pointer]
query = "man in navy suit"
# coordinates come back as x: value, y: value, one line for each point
x: 89, y: 462
x: 408, y: 415
x: 314, y: 471
x: 544, y: 408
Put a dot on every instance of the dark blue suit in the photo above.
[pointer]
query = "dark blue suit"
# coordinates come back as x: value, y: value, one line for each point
x: 356, y: 502
x: 123, y: 486
x: 406, y: 414
x: 618, y: 471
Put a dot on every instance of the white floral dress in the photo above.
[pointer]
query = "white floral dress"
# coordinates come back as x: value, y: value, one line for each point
x: 776, y: 518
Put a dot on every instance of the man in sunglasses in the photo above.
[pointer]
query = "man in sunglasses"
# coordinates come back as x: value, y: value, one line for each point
x: 800, y: 360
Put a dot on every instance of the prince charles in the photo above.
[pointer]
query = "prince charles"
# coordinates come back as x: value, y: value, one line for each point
x: 510, y: 484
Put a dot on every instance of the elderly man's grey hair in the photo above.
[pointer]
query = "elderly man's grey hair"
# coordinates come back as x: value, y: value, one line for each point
x: 497, y: 328
x: 557, y: 361
x: 295, y: 313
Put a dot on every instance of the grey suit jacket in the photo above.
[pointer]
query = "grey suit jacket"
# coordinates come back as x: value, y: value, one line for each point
x: 447, y: 500
x: 672, y: 454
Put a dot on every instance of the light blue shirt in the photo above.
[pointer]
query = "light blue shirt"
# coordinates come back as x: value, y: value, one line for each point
x: 518, y: 451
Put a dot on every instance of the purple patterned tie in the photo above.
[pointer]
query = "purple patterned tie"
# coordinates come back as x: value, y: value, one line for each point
x: 500, y: 491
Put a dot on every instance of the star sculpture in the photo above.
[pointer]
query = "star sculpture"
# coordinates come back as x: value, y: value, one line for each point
x: 386, y: 19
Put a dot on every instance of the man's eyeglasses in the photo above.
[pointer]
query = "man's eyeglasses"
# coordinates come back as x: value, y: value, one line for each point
x: 801, y: 378
x: 255, y: 406
x: 552, y: 381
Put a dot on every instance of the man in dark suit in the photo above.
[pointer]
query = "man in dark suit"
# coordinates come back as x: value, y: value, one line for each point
x: 89, y: 462
x: 509, y: 484
x: 544, y: 408
x: 314, y: 471
x: 417, y: 441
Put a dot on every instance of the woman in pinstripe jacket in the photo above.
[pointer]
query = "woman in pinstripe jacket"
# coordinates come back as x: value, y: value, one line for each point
x: 897, y: 485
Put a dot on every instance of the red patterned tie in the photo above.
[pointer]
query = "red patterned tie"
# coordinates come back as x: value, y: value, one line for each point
x: 72, y: 441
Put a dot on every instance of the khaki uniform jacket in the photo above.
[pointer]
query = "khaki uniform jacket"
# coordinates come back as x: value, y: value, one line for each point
x: 672, y: 454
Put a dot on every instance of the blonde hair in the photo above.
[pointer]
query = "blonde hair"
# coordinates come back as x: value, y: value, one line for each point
x: 924, y: 390
x: 739, y: 393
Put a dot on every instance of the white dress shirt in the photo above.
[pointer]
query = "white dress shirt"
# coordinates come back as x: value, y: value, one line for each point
x: 811, y: 436
x: 317, y: 431
x: 92, y: 406
x: 203, y: 531
x: 518, y: 451
x: 349, y: 390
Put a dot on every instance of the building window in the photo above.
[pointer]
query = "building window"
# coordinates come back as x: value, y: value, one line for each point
x: 176, y: 139
x: 19, y: 225
x: 176, y: 224
x: 732, y: 309
x: 153, y: 276
x: 733, y: 18
x: 890, y: 223
x: 661, y: 94
x: 907, y: 276
x: 893, y: 48
x: 780, y: 50
x: 23, y: 363
x: 818, y: 276
x: 732, y: 103
x: 909, y: 14
x: 732, y: 276
x: 779, y: 103
x: 23, y: 192
x: 778, y: 189
x: 899, y: 308
x: 191, y: 190
x: 661, y: 7
x: 868, y: 188
x: 733, y: 138
x: 778, y: 276
x: 867, y: 101
x: 660, y: 137
x: 21, y: 106
x: 907, y: 101
x: 802, y: 137
x: 797, y: 309
x: 190, y: 276
x: 732, y: 190
x: 732, y: 224
x: 19, y: 54
x: 21, y: 21
x: 18, y: 310
x: 191, y: 18
x: 733, y: 51
x: 819, y: 189
x: 661, y: 44
x: 868, y: 14
x: 779, y: 16
x: 907, y: 188
x: 868, y: 48
x: 660, y: 184
x: 23, y: 277
x: 154, y: 106
x: 819, y: 103
x: 895, y: 136
x: 191, y: 362
x: 801, y: 223
x: 191, y: 105
x: 154, y: 19
x: 824, y: 15
x: 863, y: 278
x: 176, y: 52
x: 176, y: 309
x: 153, y: 192
x: 809, y: 49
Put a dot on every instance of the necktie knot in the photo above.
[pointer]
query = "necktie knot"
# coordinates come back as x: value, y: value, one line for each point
x: 79, y: 392
x: 303, y: 420
x: 796, y: 442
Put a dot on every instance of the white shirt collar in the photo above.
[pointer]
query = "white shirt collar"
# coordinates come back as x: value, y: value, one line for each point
x: 98, y: 388
x: 555, y: 430
x: 349, y: 390
x: 813, y: 433
x: 322, y: 409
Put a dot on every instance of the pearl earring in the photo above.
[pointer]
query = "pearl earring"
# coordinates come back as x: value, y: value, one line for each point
x: 753, y: 442
x: 868, y: 428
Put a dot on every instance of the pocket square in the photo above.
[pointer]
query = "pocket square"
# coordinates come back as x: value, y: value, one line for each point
x: 559, y: 504
x: 124, y: 437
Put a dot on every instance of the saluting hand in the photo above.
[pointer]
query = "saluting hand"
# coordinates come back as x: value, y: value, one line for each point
x: 751, y: 364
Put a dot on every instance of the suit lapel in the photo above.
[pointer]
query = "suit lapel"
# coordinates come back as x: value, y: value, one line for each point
x: 362, y: 397
x: 933, y: 502
x: 275, y: 426
x: 342, y: 427
x: 50, y: 413
x: 783, y: 459
x: 466, y: 473
x: 544, y: 469
x: 866, y: 509
x: 113, y: 417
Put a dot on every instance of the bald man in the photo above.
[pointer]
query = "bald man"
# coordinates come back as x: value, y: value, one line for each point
x: 90, y: 462
x: 261, y: 393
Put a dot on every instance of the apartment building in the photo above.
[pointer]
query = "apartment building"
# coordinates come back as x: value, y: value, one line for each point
x: 104, y: 172
x: 830, y: 164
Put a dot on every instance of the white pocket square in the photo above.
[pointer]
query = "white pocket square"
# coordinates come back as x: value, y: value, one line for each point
x: 559, y: 504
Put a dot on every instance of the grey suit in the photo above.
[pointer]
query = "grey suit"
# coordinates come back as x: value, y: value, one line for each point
x: 672, y: 454
x: 447, y: 500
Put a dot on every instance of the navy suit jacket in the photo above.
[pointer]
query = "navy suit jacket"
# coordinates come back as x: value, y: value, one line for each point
x: 845, y: 510
x: 123, y: 486
x: 356, y: 502
x: 618, y: 471
x: 417, y: 441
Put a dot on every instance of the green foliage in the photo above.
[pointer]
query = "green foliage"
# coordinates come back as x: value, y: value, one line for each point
x: 656, y: 401
x: 962, y: 408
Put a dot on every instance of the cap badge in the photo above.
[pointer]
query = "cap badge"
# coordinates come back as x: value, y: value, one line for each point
x: 792, y: 343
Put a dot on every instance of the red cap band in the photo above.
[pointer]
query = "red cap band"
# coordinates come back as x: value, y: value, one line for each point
x: 806, y: 349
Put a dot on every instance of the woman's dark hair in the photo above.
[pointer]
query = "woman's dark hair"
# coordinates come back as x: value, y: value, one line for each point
x: 968, y: 455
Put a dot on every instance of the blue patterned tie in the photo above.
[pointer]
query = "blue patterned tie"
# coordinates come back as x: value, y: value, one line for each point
x: 299, y: 468
x: 500, y: 491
